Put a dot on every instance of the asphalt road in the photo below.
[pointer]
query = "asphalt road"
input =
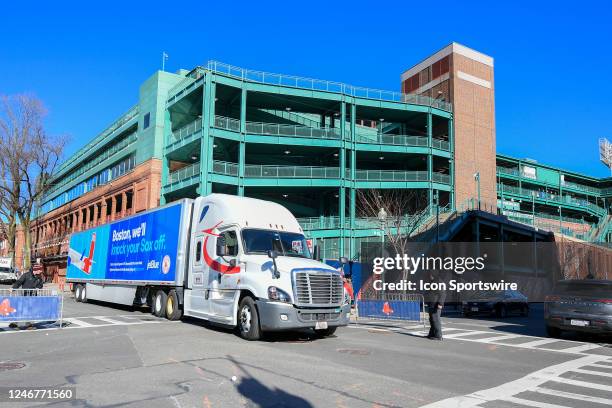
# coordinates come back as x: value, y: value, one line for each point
x: 119, y: 357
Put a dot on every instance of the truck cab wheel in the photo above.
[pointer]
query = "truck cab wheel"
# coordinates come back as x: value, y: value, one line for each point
x: 248, y: 320
x: 325, y: 332
x: 173, y: 309
x: 159, y: 303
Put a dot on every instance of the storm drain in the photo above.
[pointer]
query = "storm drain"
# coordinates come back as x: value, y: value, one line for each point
x: 11, y: 366
x: 354, y: 352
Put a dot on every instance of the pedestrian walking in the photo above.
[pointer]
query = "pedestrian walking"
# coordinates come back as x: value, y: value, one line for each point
x: 29, y: 280
x: 435, y: 307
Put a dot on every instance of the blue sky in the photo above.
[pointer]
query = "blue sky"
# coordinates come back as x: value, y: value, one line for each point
x: 552, y: 61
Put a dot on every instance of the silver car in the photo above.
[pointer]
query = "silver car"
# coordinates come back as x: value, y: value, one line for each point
x: 579, y: 306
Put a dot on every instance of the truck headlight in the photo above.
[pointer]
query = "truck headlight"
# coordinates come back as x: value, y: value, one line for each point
x: 278, y: 295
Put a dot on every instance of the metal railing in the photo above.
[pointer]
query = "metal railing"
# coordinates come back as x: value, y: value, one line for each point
x: 319, y: 223
x: 546, y: 196
x: 397, y: 140
x: 321, y: 85
x: 184, y: 173
x: 225, y: 168
x: 507, y: 170
x: 581, y: 187
x: 277, y: 129
x: 222, y: 122
x: 266, y: 171
x: 187, y: 130
x: 398, y: 175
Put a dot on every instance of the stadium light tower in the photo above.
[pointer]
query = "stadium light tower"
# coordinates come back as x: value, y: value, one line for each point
x: 605, y: 152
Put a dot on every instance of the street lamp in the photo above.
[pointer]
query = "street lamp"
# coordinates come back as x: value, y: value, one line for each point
x: 437, y: 199
x: 477, y: 178
x: 382, y: 218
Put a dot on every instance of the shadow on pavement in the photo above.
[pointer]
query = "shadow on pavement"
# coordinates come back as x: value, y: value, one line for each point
x: 262, y: 396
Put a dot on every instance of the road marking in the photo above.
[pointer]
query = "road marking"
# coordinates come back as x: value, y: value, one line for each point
x: 591, y: 372
x: 71, y: 323
x: 531, y: 403
x: 539, y: 342
x: 455, y: 335
x: 571, y: 395
x: 584, y: 384
x: 529, y: 382
x: 76, y: 321
x: 111, y: 321
x: 499, y: 337
x: 580, y: 349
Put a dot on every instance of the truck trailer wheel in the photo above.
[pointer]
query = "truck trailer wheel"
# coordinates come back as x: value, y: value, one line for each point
x: 248, y: 320
x: 77, y: 292
x: 159, y: 303
x: 173, y: 309
x: 84, y: 294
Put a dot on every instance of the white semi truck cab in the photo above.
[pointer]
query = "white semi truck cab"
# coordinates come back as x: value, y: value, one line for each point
x: 231, y: 260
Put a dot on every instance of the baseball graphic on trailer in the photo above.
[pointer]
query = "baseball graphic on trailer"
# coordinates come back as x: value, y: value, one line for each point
x: 166, y: 264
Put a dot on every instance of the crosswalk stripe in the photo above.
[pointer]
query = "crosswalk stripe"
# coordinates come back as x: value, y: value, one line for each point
x: 455, y: 335
x: 78, y: 322
x: 499, y: 337
x: 111, y: 321
x: 583, y: 384
x: 540, y: 342
x: 580, y: 349
x: 530, y: 403
x: 529, y: 382
x: 591, y: 372
x: 609, y: 367
x: 571, y: 395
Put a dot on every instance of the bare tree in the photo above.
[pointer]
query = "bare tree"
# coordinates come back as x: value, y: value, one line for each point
x: 399, y: 213
x: 29, y: 156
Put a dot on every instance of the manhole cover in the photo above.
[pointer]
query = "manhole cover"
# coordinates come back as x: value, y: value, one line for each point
x: 355, y: 352
x: 11, y: 366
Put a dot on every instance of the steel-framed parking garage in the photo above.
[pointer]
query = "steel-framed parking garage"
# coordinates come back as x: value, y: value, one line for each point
x: 307, y: 144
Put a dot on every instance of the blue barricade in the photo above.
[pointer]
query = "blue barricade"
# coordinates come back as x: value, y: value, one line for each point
x: 30, y: 305
x: 390, y: 309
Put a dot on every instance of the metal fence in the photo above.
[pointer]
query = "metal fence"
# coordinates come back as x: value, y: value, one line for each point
x: 396, y: 306
x: 31, y: 305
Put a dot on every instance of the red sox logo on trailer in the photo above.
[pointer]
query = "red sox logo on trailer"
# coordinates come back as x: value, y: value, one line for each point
x: 213, y: 264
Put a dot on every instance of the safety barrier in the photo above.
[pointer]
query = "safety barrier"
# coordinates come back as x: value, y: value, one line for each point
x: 402, y: 306
x: 31, y: 305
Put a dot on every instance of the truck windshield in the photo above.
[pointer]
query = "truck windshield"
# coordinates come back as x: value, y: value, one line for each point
x: 285, y: 243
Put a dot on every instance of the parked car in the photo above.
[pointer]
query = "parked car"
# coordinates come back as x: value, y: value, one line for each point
x: 499, y: 303
x: 579, y: 306
x: 8, y: 275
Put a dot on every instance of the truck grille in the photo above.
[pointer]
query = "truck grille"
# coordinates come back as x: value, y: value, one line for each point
x: 318, y: 288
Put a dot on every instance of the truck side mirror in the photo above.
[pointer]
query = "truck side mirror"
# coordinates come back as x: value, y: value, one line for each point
x: 273, y: 254
x: 221, y: 249
x: 316, y: 253
x: 343, y: 260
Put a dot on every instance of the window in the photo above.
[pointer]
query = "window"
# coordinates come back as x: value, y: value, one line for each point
x: 198, y: 251
x: 231, y: 243
x: 440, y: 68
x: 146, y: 121
x: 285, y: 243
